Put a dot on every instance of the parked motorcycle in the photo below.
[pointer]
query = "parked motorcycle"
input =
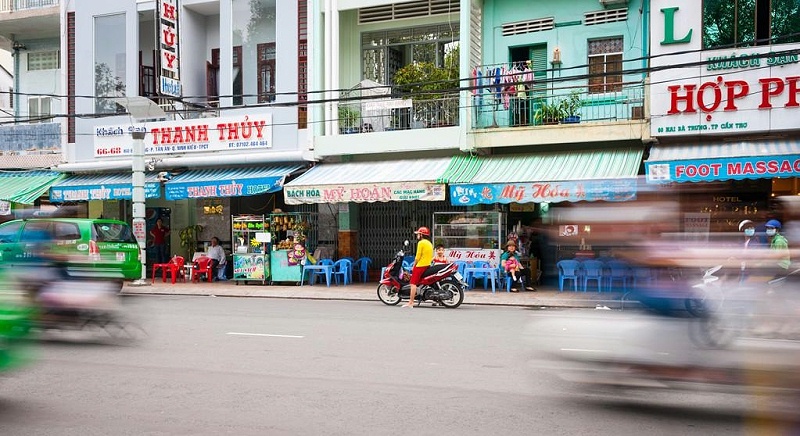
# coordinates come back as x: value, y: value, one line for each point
x: 441, y: 283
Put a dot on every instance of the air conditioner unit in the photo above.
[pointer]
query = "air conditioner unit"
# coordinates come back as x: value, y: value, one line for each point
x: 614, y: 3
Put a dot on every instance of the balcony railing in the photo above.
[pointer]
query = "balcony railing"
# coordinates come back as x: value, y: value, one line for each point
x: 21, y: 5
x: 369, y: 115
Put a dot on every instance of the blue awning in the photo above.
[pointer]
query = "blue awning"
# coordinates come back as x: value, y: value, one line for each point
x: 723, y: 161
x: 232, y: 182
x: 116, y: 186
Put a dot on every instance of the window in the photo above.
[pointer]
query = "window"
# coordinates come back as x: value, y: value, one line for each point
x: 605, y: 65
x: 383, y: 53
x: 63, y: 231
x: 43, y: 60
x: 253, y: 32
x: 36, y: 231
x: 39, y: 109
x: 9, y: 232
x: 109, y: 62
x: 743, y: 23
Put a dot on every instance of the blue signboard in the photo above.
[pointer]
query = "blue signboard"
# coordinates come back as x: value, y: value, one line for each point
x: 737, y: 168
x: 222, y: 188
x: 104, y: 191
x: 542, y: 192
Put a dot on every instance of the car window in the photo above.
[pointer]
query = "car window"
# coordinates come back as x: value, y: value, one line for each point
x: 66, y: 231
x: 111, y: 232
x: 36, y: 231
x: 9, y: 232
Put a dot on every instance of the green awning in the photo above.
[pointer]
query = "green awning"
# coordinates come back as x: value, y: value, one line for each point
x: 26, y: 186
x: 462, y: 167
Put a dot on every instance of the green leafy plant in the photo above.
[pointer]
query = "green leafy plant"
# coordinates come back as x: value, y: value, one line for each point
x: 571, y: 105
x: 549, y: 113
x: 425, y: 81
x: 348, y: 117
x: 189, y: 236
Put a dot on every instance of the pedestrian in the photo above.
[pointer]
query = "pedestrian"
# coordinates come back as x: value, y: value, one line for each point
x: 422, y: 261
x: 519, y: 278
x: 779, y: 248
x: 751, y: 242
x: 218, y: 260
x: 440, y: 257
x: 159, y: 233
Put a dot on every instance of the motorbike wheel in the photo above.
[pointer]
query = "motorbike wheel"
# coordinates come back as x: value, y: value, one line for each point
x: 388, y: 295
x: 456, y: 295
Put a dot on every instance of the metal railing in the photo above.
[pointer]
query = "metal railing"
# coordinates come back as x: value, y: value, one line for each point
x: 422, y: 114
x: 21, y: 5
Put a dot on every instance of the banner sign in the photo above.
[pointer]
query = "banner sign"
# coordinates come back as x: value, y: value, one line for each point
x: 717, y: 92
x: 187, y: 136
x: 474, y: 255
x: 544, y: 192
x: 168, y: 48
x: 368, y: 193
x: 248, y: 266
x: 737, y: 168
x: 222, y: 188
x: 112, y: 191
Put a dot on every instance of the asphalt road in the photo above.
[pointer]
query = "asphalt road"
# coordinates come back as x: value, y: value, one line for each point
x: 250, y: 366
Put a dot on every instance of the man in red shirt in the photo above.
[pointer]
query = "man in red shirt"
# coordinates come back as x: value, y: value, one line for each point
x: 159, y: 234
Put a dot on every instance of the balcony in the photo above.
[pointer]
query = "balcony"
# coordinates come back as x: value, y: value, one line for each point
x: 22, y: 5
x: 28, y: 19
x: 391, y: 114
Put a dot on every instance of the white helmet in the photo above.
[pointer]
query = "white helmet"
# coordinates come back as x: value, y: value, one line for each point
x: 745, y: 223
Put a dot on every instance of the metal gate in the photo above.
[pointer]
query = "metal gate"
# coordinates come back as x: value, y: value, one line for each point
x: 384, y: 226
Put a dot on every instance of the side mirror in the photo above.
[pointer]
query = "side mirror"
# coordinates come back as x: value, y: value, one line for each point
x: 405, y: 243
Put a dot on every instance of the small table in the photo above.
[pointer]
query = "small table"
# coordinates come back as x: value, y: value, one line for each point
x: 327, y: 269
x: 491, y: 274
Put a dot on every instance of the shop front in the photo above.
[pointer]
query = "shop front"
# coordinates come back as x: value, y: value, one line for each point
x: 24, y: 188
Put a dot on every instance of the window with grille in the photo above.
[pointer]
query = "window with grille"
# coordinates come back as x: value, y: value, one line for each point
x: 43, y: 60
x: 39, y: 109
x: 605, y: 65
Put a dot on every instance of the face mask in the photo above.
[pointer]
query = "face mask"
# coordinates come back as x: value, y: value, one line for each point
x: 749, y: 232
x: 771, y: 232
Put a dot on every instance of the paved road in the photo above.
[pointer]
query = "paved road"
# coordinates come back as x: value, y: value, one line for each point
x: 249, y: 366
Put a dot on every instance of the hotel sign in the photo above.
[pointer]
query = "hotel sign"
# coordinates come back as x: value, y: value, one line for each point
x: 168, y: 48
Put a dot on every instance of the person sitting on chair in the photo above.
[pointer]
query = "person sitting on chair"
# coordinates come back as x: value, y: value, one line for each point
x: 217, y: 255
x: 519, y: 277
x: 512, y: 267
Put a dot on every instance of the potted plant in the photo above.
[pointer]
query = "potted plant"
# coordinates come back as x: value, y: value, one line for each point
x: 189, y: 236
x: 571, y: 107
x: 348, y: 119
x: 433, y: 89
x: 549, y: 113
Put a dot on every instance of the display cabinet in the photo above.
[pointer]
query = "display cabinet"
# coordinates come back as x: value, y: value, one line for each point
x: 250, y: 244
x: 288, y: 251
x: 483, y: 230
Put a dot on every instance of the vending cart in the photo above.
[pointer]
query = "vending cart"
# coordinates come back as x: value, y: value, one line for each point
x: 288, y: 251
x: 250, y: 243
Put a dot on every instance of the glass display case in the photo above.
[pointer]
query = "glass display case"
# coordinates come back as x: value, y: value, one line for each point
x: 250, y: 242
x: 288, y: 250
x: 482, y: 230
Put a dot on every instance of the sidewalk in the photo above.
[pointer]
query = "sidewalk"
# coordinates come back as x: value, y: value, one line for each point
x: 544, y: 296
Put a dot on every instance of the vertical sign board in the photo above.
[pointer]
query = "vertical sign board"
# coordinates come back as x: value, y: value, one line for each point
x: 168, y: 48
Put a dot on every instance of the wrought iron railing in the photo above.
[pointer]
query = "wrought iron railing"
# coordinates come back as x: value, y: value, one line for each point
x: 368, y: 115
x: 20, y: 5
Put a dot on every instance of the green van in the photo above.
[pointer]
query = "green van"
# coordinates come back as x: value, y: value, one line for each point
x: 92, y: 247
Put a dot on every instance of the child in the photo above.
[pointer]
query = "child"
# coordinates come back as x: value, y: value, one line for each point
x: 439, y: 257
x: 512, y: 266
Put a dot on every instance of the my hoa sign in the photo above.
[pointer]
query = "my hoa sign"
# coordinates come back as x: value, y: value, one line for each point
x: 708, y: 92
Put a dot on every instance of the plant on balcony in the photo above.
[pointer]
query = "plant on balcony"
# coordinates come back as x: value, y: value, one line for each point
x: 433, y: 87
x: 349, y: 119
x: 571, y: 107
x: 549, y: 113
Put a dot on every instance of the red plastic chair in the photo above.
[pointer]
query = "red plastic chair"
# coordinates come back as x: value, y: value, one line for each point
x: 176, y: 269
x: 202, y: 265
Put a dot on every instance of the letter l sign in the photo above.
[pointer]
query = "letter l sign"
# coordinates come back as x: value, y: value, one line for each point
x: 669, y: 28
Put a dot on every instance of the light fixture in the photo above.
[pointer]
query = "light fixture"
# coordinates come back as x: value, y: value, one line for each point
x: 17, y: 46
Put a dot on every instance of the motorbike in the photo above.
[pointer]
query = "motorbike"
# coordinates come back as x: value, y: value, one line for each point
x: 441, y: 284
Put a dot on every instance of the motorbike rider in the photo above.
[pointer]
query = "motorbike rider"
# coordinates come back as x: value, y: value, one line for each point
x: 422, y: 261
x: 751, y: 242
x: 779, y: 247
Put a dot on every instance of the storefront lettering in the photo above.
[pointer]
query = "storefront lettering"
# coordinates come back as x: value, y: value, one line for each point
x: 180, y: 134
x: 709, y: 95
x: 241, y: 130
x: 546, y: 190
x: 202, y: 191
x: 513, y: 191
x: 720, y: 199
x: 230, y: 190
x: 763, y: 167
x: 371, y: 194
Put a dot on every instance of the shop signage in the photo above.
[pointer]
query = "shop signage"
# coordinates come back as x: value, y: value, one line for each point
x: 541, y: 192
x: 222, y: 188
x: 717, y: 92
x: 248, y: 267
x: 474, y: 255
x: 364, y: 193
x: 115, y: 191
x: 168, y: 48
x: 187, y: 136
x: 737, y: 168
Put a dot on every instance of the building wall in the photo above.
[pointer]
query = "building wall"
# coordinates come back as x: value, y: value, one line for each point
x: 39, y: 82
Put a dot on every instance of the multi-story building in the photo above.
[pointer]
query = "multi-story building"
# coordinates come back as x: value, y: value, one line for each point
x: 725, y: 95
x: 513, y: 104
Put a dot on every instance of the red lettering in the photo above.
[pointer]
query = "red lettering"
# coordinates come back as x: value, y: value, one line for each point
x: 168, y: 11
x: 748, y: 168
x: 679, y: 170
x: 767, y: 90
x: 168, y: 37
x: 675, y: 98
x: 761, y: 167
x: 773, y: 167
x: 793, y: 91
x: 717, y: 93
x: 734, y: 168
x: 170, y: 58
x: 715, y: 168
x: 733, y: 94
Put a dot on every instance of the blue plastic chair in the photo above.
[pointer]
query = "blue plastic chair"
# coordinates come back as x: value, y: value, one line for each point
x: 592, y: 270
x: 318, y: 273
x: 351, y: 263
x: 568, y: 270
x: 343, y: 268
x: 618, y: 271
x: 408, y: 260
x: 361, y: 267
x: 408, y: 266
x: 460, y: 264
x: 485, y: 275
x: 641, y: 276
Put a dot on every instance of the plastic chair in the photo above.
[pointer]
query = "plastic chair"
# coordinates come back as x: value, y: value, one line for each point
x: 618, y: 271
x: 343, y: 268
x: 361, y: 267
x: 202, y: 265
x: 408, y: 266
x: 460, y: 264
x: 487, y: 275
x: 318, y: 273
x: 641, y: 276
x: 592, y: 270
x: 568, y: 270
x: 352, y: 261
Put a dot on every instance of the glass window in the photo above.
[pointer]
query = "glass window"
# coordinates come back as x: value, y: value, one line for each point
x: 66, y: 231
x: 743, y: 23
x: 111, y: 232
x: 254, y: 51
x: 9, y: 232
x: 36, y: 231
x: 109, y: 62
x: 39, y: 110
x: 605, y: 65
x: 43, y: 60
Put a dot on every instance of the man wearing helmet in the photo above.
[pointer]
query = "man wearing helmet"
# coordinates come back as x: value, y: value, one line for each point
x: 751, y: 242
x: 779, y: 246
x: 422, y: 261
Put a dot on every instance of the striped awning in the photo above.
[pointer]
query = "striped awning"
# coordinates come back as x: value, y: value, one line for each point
x: 574, y: 175
x: 26, y: 186
x: 231, y: 182
x: 113, y: 186
x: 704, y: 162
x: 394, y: 180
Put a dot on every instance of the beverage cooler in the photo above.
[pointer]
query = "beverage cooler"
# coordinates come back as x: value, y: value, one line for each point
x: 250, y: 243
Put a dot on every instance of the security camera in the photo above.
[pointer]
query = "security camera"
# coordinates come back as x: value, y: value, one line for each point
x: 164, y: 176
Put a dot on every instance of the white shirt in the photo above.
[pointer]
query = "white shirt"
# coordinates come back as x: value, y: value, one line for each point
x: 216, y: 252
